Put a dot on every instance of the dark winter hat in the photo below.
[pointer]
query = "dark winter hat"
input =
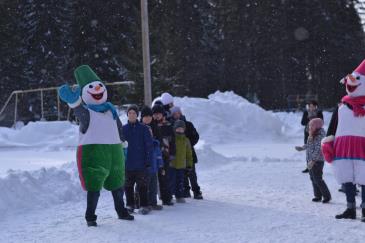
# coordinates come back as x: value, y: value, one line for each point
x: 146, y: 111
x: 178, y: 124
x: 133, y: 107
x: 313, y: 102
x: 158, y: 102
x: 158, y: 109
x: 175, y: 109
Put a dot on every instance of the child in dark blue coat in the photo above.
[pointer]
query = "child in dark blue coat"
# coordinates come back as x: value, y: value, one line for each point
x: 138, y: 163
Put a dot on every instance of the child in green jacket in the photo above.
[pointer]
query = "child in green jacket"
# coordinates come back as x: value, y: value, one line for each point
x: 183, y: 161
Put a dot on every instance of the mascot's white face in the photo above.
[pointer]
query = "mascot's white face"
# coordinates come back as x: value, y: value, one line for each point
x: 355, y: 84
x: 94, y: 93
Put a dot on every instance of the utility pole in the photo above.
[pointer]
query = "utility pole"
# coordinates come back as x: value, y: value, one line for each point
x: 146, y: 54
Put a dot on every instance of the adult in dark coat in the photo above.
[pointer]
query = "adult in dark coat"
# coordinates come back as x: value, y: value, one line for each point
x: 192, y: 134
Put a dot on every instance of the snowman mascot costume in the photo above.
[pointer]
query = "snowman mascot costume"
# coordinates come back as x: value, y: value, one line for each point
x: 100, y: 157
x: 345, y: 147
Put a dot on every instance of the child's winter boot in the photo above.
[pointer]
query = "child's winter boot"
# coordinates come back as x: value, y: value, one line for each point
x: 125, y: 215
x: 180, y: 200
x: 187, y: 194
x: 144, y: 210
x: 91, y: 223
x: 157, y: 207
x: 198, y: 195
x: 168, y: 203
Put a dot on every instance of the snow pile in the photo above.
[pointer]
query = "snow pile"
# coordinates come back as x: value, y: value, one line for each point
x: 223, y: 117
x: 292, y: 122
x: 28, y: 190
x: 56, y: 133
x: 226, y: 117
x: 209, y: 159
x: 39, y: 189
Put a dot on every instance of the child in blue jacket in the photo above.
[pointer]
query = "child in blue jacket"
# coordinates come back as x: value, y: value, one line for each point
x: 138, y: 163
x: 156, y: 164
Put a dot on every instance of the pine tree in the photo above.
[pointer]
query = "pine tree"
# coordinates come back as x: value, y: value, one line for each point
x: 46, y: 41
x: 106, y: 37
x: 9, y: 41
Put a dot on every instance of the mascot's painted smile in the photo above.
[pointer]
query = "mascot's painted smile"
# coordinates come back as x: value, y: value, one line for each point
x: 97, y: 96
x: 351, y: 88
x: 352, y: 82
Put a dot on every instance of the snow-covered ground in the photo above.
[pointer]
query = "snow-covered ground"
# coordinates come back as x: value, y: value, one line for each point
x: 250, y: 176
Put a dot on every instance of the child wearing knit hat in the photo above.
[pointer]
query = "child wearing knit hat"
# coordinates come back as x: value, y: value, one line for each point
x: 315, y: 160
x: 156, y: 162
x: 182, y: 161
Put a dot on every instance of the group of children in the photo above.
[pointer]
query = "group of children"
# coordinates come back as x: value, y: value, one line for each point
x: 160, y: 154
x: 134, y: 159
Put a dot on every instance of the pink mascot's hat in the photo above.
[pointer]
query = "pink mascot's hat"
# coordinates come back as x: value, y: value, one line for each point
x: 361, y: 68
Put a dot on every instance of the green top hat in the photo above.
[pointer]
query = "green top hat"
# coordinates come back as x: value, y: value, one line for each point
x: 85, y: 75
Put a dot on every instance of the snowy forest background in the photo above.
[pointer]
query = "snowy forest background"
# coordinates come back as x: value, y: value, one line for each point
x: 262, y: 50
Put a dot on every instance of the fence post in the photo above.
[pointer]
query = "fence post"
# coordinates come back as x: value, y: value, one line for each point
x: 58, y: 106
x: 42, y: 115
x: 68, y: 114
x: 16, y: 109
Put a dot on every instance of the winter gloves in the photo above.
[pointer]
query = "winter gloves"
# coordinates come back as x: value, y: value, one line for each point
x: 299, y: 148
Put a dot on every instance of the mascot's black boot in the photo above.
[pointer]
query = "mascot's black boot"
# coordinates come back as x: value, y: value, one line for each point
x: 349, y: 213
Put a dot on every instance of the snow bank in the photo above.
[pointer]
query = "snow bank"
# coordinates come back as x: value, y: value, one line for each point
x: 292, y: 122
x: 23, y: 190
x: 223, y: 117
x: 56, y: 133
x: 209, y: 159
x: 28, y: 190
x: 226, y: 117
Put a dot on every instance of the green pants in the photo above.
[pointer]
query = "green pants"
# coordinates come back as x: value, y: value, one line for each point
x: 101, y: 165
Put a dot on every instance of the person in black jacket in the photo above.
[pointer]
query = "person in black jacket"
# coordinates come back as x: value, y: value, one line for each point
x: 146, y: 119
x: 168, y: 149
x: 192, y: 134
x: 310, y: 113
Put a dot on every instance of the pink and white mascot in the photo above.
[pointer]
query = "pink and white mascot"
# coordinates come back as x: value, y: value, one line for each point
x: 344, y: 146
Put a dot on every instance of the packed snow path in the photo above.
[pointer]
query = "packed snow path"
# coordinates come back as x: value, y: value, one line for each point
x: 245, y: 201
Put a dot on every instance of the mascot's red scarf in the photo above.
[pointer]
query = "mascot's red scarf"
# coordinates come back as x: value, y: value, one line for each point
x: 357, y: 104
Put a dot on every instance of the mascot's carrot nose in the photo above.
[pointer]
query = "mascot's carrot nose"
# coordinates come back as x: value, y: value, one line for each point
x: 352, y: 78
x: 97, y: 88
